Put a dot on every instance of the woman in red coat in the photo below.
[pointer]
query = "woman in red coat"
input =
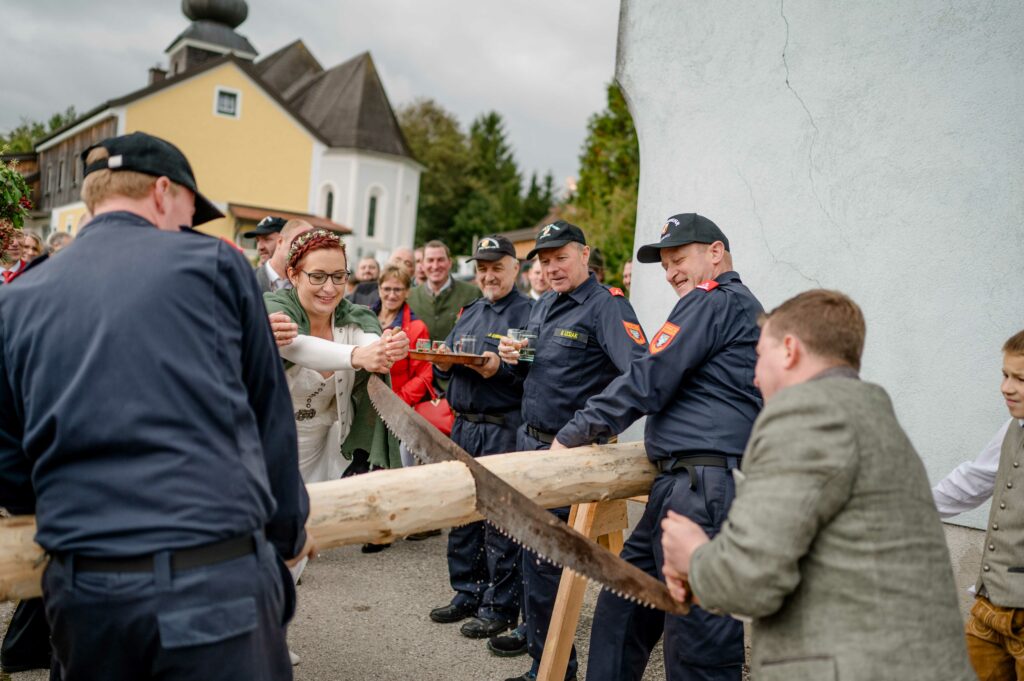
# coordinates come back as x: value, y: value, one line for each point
x: 409, y: 377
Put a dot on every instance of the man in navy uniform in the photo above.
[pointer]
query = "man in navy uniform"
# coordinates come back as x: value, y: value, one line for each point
x: 697, y: 385
x: 162, y: 449
x: 483, y: 564
x: 586, y: 336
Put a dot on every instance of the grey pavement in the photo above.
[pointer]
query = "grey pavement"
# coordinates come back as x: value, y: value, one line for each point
x: 363, y: 617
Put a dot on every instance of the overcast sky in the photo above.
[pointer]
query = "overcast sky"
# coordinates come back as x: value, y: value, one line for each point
x: 542, y: 64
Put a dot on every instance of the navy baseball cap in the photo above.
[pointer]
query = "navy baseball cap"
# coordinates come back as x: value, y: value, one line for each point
x: 152, y: 156
x: 493, y: 247
x: 556, y: 235
x: 679, y: 230
x: 268, y: 225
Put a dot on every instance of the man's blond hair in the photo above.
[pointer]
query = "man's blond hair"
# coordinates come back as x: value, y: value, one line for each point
x: 101, y: 185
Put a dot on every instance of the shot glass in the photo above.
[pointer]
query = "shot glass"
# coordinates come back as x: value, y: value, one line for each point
x: 423, y: 345
x: 526, y: 353
x: 437, y: 346
x: 466, y: 345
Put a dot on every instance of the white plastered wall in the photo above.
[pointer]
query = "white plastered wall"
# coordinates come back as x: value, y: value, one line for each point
x: 872, y: 147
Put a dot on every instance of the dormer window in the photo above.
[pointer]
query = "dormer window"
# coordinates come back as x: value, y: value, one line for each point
x: 228, y: 103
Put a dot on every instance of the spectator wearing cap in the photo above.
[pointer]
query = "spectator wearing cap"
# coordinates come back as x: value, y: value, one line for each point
x: 696, y: 385
x: 268, y: 237
x: 483, y: 564
x: 438, y: 300
x: 273, y: 274
x: 586, y: 335
x: 169, y: 405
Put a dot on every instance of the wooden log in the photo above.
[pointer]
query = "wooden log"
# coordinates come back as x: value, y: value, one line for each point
x: 384, y: 505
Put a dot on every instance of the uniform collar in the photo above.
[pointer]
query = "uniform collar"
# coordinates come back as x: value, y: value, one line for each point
x: 727, y: 277
x: 584, y: 290
x: 120, y: 217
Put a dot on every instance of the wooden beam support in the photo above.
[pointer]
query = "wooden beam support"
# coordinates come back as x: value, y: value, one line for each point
x: 384, y: 505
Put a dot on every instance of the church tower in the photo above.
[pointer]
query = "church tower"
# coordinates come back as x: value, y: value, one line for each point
x: 212, y: 34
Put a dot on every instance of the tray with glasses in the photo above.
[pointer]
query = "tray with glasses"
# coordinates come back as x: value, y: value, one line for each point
x: 435, y: 351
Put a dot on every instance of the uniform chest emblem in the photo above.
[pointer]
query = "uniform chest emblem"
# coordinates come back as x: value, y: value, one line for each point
x: 635, y: 332
x: 664, y: 337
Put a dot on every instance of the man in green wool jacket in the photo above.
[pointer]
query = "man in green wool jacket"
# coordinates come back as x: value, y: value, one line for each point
x: 438, y: 301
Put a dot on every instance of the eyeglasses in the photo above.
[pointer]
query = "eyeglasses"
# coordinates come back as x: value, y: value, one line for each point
x: 388, y: 290
x: 320, y: 278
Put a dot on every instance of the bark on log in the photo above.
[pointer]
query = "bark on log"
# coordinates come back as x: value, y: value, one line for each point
x: 385, y: 505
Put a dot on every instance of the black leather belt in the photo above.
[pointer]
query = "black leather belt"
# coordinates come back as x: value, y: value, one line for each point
x: 496, y: 419
x: 688, y: 462
x: 546, y: 438
x: 182, y: 559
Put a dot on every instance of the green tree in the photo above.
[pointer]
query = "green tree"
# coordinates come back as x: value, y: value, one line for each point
x: 438, y: 143
x: 538, y: 200
x: 22, y: 138
x: 605, y: 200
x: 494, y: 203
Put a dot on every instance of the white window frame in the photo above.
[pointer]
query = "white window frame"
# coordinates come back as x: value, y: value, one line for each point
x: 378, y: 192
x: 220, y: 89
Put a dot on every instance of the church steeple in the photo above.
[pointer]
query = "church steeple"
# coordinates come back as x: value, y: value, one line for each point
x: 211, y: 34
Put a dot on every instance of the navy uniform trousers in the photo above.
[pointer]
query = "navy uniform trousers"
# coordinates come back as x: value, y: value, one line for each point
x: 699, y: 646
x: 483, y: 564
x: 540, y: 582
x: 224, y: 621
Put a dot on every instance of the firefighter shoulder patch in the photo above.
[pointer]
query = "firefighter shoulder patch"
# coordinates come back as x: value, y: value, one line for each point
x: 707, y: 285
x: 664, y: 337
x: 635, y: 332
x: 616, y: 291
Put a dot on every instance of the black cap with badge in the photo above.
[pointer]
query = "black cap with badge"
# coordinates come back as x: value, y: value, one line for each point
x: 268, y: 225
x: 556, y: 235
x: 682, y: 229
x: 493, y: 247
x: 152, y: 156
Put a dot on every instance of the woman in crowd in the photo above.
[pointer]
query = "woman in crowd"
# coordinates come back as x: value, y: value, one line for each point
x: 328, y: 364
x: 32, y: 247
x: 410, y: 378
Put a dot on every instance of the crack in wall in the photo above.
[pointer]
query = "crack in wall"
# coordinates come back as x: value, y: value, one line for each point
x: 764, y: 234
x: 814, y: 136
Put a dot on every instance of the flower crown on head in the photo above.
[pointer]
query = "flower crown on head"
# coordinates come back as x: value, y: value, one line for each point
x: 317, y: 233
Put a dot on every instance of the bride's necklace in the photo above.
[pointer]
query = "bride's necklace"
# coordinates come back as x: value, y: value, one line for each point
x: 309, y: 412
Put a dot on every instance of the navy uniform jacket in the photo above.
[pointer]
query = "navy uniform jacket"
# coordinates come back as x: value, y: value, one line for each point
x: 585, y: 338
x: 469, y: 392
x: 697, y: 381
x: 148, y: 400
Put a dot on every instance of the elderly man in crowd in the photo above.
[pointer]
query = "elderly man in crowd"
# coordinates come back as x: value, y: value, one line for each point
x: 403, y: 257
x: 696, y: 385
x: 438, y: 300
x: 832, y: 545
x: 58, y: 241
x: 583, y: 339
x: 268, y: 237
x: 272, y: 275
x: 165, y: 408
x: 483, y: 564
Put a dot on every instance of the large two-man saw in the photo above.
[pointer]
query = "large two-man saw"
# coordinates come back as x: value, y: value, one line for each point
x: 514, y: 513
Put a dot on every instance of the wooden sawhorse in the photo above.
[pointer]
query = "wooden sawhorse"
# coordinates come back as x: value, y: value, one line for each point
x: 605, y: 522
